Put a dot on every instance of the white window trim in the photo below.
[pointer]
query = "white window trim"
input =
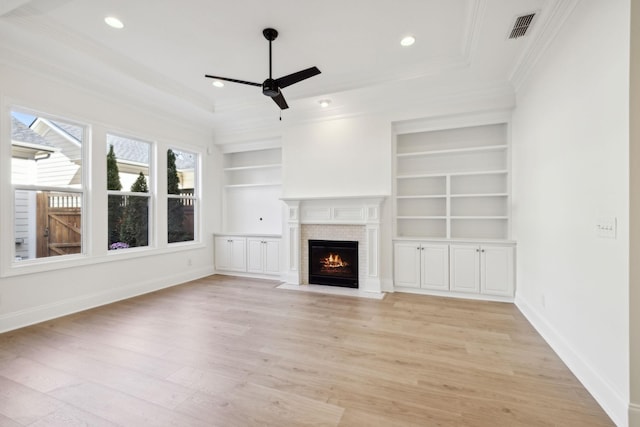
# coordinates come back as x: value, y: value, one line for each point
x: 196, y: 197
x: 8, y: 265
x: 151, y: 194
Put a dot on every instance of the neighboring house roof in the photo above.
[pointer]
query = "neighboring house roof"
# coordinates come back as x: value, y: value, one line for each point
x: 129, y: 150
x: 126, y: 149
x: 185, y: 160
x: 72, y: 130
x: 22, y: 133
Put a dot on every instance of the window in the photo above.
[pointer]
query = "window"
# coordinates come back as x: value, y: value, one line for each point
x: 48, y: 186
x: 181, y: 195
x: 128, y: 164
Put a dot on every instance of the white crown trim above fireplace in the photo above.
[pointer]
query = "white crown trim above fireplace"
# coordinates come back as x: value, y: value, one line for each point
x: 363, y: 211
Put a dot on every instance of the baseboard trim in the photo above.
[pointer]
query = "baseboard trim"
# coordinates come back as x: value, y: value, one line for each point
x: 634, y: 415
x: 450, y: 294
x: 608, y: 398
x: 31, y: 316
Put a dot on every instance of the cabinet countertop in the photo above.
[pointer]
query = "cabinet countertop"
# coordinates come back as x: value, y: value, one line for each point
x: 454, y: 241
x: 274, y: 236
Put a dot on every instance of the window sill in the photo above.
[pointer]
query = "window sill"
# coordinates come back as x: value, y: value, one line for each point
x: 71, y: 261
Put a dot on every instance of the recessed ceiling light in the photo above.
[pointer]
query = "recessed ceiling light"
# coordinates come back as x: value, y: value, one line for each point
x: 324, y: 103
x: 408, y: 41
x: 114, y: 22
x: 217, y: 83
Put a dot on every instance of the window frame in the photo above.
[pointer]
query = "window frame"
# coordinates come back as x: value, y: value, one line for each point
x: 195, y: 198
x: 151, y: 195
x: 94, y: 196
x: 9, y: 265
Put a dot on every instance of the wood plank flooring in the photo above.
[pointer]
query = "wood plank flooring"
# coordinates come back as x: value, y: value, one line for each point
x: 224, y: 351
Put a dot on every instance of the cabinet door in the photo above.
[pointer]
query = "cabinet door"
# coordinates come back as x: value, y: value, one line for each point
x: 464, y: 268
x: 496, y: 270
x: 238, y: 255
x: 435, y: 267
x: 255, y: 256
x: 272, y: 256
x: 221, y: 254
x: 406, y: 264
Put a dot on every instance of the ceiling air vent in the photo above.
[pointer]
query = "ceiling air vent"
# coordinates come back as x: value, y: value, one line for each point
x: 521, y: 25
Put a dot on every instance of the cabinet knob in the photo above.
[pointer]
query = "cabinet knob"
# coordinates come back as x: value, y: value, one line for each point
x: 482, y: 250
x: 477, y: 250
x: 418, y: 248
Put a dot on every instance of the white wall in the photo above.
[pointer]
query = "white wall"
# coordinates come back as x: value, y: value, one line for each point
x: 104, y: 276
x: 342, y: 157
x: 634, y: 195
x: 570, y: 163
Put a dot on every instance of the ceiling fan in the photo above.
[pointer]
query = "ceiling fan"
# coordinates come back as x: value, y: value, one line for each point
x: 271, y: 87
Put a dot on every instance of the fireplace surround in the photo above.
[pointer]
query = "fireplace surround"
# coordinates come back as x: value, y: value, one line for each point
x: 321, y: 219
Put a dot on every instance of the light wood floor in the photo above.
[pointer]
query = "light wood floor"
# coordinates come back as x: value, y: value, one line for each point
x: 224, y: 351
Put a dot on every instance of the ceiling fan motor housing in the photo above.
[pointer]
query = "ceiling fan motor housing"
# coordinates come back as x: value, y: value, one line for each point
x: 270, y: 88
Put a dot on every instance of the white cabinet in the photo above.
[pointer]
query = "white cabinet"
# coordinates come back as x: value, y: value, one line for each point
x: 435, y: 266
x: 487, y: 269
x: 496, y: 270
x: 253, y: 254
x: 421, y: 265
x: 465, y: 268
x: 406, y: 263
x: 263, y: 256
x: 230, y: 253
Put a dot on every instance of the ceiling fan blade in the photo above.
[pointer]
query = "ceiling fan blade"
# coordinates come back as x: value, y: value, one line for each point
x: 279, y: 99
x: 233, y: 80
x: 296, y: 77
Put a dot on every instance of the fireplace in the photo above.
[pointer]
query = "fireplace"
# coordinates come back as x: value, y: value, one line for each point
x: 333, y: 262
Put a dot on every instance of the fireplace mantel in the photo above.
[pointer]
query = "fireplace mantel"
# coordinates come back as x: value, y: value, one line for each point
x: 356, y: 210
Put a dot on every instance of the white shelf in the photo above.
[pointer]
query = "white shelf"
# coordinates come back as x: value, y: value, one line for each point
x: 445, y: 174
x: 479, y: 195
x: 251, y: 191
x: 421, y: 217
x: 262, y: 184
x: 454, y: 151
x: 479, y: 217
x: 255, y: 167
x: 453, y: 183
x: 429, y: 196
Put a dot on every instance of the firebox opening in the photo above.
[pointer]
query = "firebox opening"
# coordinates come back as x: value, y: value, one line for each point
x: 333, y: 262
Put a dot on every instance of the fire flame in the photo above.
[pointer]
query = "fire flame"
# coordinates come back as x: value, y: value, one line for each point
x: 334, y: 261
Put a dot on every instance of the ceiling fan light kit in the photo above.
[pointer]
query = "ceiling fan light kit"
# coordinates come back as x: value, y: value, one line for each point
x: 272, y: 87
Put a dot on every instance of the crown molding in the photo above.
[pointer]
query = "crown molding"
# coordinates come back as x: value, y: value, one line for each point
x: 420, y: 105
x: 472, y: 29
x: 57, y: 47
x: 558, y: 12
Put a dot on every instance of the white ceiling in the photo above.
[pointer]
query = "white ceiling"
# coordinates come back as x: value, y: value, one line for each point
x: 167, y: 46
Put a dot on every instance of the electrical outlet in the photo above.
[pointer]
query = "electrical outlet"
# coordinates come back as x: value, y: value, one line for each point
x: 189, y: 262
x: 543, y: 301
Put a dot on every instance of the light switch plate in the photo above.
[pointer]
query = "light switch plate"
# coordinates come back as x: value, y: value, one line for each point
x: 606, y: 227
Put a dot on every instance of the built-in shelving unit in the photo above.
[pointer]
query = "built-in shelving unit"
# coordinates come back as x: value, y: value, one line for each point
x: 252, y: 190
x: 453, y: 183
x: 253, y: 168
